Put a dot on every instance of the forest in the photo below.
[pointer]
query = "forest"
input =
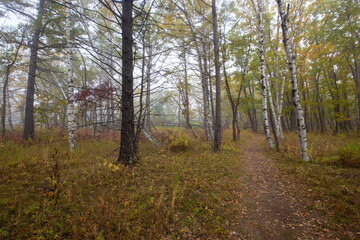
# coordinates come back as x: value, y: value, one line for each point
x: 180, y: 119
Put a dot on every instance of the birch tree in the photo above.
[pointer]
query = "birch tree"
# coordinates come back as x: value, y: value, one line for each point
x: 70, y: 83
x: 292, y: 69
x: 263, y: 81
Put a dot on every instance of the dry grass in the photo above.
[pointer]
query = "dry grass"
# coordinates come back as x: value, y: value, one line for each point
x: 179, y: 191
x: 331, y: 178
x: 166, y: 195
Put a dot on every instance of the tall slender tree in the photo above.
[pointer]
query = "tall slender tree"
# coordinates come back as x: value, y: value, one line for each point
x: 34, y: 47
x: 70, y: 84
x: 217, y: 127
x: 6, y: 99
x: 263, y: 81
x: 292, y: 69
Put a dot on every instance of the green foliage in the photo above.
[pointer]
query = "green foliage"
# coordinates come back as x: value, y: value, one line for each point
x: 349, y: 156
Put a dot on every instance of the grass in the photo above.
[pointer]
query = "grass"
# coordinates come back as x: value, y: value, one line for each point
x: 182, y: 190
x: 46, y: 192
x: 331, y: 177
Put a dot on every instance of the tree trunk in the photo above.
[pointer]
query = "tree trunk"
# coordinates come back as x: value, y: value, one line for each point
x: 94, y: 120
x: 148, y: 90
x: 34, y: 46
x: 186, y: 97
x: 280, y: 104
x: 179, y: 110
x: 205, y: 92
x: 3, y: 115
x: 127, y: 148
x: 263, y: 77
x: 319, y: 108
x: 273, y: 118
x: 70, y: 85
x: 8, y: 107
x: 356, y: 76
x: 217, y: 128
x: 209, y: 100
x: 295, y: 91
x: 228, y: 92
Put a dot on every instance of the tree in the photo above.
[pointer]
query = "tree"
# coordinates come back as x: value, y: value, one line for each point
x: 217, y: 127
x: 292, y: 69
x: 263, y: 82
x: 34, y: 47
x: 70, y: 85
x: 6, y: 99
x: 127, y: 148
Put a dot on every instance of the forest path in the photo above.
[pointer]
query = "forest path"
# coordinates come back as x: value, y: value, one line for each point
x: 276, y: 209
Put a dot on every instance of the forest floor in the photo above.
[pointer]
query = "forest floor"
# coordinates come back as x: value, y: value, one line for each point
x: 182, y: 190
x: 276, y: 208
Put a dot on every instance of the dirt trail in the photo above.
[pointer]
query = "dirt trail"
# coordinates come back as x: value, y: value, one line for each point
x: 276, y: 210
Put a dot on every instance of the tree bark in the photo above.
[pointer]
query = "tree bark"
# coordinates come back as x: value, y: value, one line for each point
x: 34, y: 46
x: 8, y: 106
x: 94, y: 120
x: 217, y: 127
x: 263, y: 76
x: 295, y: 91
x: 186, y: 95
x: 70, y: 85
x: 356, y: 76
x: 127, y: 148
x: 148, y: 90
x: 208, y: 95
x: 205, y: 92
x: 5, y: 92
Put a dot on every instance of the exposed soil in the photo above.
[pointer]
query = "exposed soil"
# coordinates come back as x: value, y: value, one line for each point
x: 276, y: 209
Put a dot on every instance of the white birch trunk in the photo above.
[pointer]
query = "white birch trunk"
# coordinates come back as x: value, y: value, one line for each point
x: 70, y: 85
x: 148, y: 135
x: 209, y: 126
x: 272, y: 109
x: 281, y: 102
x: 263, y: 77
x: 295, y: 91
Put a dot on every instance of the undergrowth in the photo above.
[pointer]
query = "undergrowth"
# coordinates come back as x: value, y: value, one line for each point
x: 331, y: 177
x: 182, y: 190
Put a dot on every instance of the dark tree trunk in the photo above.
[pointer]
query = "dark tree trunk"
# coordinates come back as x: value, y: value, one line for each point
x: 230, y: 98
x: 3, y: 115
x: 217, y: 127
x: 9, y: 115
x: 127, y: 148
x: 335, y: 97
x: 34, y: 46
x: 211, y: 96
x: 186, y: 94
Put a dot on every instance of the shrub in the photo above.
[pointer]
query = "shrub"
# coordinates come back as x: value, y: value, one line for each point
x: 349, y: 156
x: 179, y: 143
